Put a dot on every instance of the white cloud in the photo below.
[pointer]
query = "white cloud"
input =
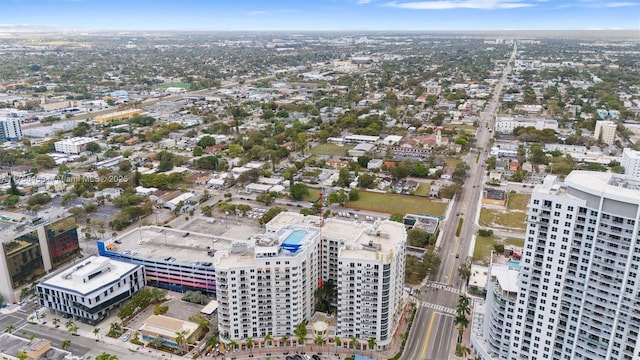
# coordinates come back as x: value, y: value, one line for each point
x: 620, y: 4
x: 363, y: 2
x: 257, y: 13
x: 460, y: 4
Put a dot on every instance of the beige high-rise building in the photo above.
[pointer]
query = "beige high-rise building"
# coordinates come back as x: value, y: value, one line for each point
x: 606, y: 131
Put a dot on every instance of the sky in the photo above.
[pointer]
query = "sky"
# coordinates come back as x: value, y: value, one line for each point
x: 233, y: 15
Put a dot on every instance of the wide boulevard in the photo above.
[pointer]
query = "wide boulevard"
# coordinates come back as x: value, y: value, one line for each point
x: 433, y: 334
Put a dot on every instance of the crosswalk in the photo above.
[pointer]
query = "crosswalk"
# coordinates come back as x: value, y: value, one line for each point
x: 439, y: 308
x: 444, y: 287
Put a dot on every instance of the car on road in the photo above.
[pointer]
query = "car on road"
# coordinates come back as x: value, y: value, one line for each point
x: 126, y: 337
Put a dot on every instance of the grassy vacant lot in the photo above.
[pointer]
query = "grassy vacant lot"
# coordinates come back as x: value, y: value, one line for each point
x: 331, y: 149
x: 482, y: 250
x: 313, y: 194
x: 518, y: 201
x: 496, y: 218
x: 423, y: 189
x: 398, y: 204
x: 514, y: 242
x: 183, y: 85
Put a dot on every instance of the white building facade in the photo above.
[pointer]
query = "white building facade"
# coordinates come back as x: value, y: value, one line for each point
x: 506, y: 125
x: 74, y: 145
x: 500, y: 309
x: 10, y: 130
x: 631, y: 163
x: 268, y: 286
x: 578, y: 295
x: 91, y: 289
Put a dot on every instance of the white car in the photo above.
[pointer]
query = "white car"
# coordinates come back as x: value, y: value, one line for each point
x: 126, y: 337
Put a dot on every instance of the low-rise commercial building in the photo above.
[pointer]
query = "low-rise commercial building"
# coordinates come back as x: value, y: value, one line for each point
x: 169, y: 331
x: 91, y: 289
x: 74, y: 145
x: 10, y: 130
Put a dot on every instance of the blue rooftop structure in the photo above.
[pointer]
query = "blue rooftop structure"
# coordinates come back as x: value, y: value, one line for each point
x: 360, y: 357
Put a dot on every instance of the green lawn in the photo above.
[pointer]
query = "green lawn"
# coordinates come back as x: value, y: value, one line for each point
x: 331, y: 149
x: 518, y: 201
x: 313, y: 194
x: 496, y: 218
x: 483, y: 247
x: 514, y: 242
x: 183, y: 85
x: 398, y: 204
x: 423, y: 189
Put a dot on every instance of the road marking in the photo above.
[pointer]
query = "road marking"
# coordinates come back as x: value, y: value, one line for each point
x: 439, y: 308
x: 453, y: 263
x: 428, y: 335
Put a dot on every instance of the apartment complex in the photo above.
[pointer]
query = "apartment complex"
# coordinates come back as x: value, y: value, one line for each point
x: 74, y: 145
x: 265, y: 279
x: 32, y: 248
x: 118, y: 115
x: 502, y: 295
x: 10, y: 130
x: 506, y: 124
x: 88, y: 291
x: 578, y: 289
x: 605, y: 131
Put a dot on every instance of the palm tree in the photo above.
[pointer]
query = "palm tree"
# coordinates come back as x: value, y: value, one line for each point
x: 284, y: 339
x: 462, y: 351
x: 301, y: 332
x: 69, y: 323
x: 463, y: 305
x: 353, y: 341
x: 250, y: 344
x: 73, y: 329
x: 180, y: 340
x: 56, y: 322
x: 106, y: 356
x: 460, y: 334
x: 268, y: 339
x: 115, y: 329
x: 9, y: 329
x: 461, y: 320
x: 64, y: 344
x: 21, y: 355
x: 212, y: 341
x: 337, y: 341
x: 372, y: 344
x: 233, y: 345
x: 319, y: 340
x: 96, y: 332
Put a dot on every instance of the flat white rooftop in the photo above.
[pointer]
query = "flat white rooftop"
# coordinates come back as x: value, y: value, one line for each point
x: 89, y: 275
x: 506, y: 276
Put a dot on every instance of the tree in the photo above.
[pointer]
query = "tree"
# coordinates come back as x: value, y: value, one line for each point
x: 301, y: 332
x: 353, y: 341
x: 21, y: 355
x: 11, y: 201
x: 463, y: 305
x: 461, y: 320
x: 462, y: 351
x: 354, y: 195
x: 198, y: 151
x: 270, y: 214
x: 96, y: 332
x: 93, y: 147
x: 366, y: 180
x: 298, y: 190
x: 268, y: 339
x: 106, y: 356
x: 64, y: 344
x: 208, y: 162
x: 206, y: 141
x: 180, y: 339
x: 124, y: 165
x: 45, y: 161
x: 250, y: 344
x: 372, y: 344
x: 337, y: 340
x: 344, y: 177
x: 56, y: 322
x: 10, y: 328
x: 338, y: 197
x: 13, y: 189
x: 400, y: 171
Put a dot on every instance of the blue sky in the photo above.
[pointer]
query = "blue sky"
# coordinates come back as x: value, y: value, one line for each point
x: 323, y: 14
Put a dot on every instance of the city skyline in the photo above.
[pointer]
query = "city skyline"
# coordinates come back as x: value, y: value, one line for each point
x: 323, y: 15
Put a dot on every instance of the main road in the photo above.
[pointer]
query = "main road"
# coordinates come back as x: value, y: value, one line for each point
x: 433, y: 332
